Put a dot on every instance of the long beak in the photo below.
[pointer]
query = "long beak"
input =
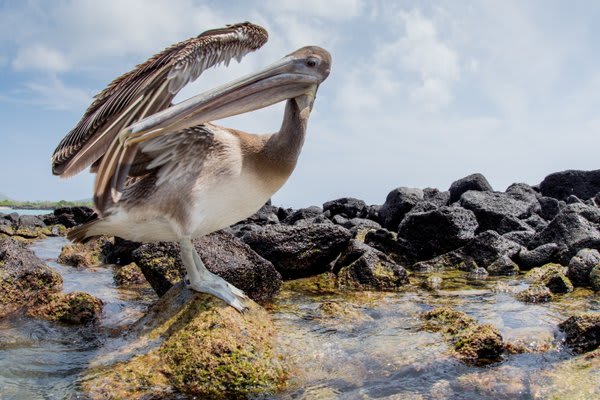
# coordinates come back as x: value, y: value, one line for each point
x: 280, y: 81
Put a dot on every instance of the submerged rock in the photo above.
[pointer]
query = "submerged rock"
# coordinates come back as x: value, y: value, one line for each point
x: 582, y: 332
x: 195, y: 345
x: 222, y: 254
x: 70, y: 308
x: 471, y: 341
x: 300, y: 250
x: 24, y: 278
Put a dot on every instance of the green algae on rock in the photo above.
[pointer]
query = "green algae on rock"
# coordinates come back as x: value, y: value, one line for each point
x: 472, y: 342
x: 128, y: 275
x: 196, y: 345
x: 552, y: 276
x: 24, y: 278
x: 582, y: 332
x: 70, y: 308
x: 535, y: 294
x: 82, y: 255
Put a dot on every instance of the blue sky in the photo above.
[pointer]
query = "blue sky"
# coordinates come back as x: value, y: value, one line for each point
x: 421, y: 93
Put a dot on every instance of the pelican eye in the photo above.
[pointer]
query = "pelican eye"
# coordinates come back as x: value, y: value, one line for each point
x: 311, y: 62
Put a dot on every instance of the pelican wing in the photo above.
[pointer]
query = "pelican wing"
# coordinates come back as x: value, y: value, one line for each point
x: 147, y: 89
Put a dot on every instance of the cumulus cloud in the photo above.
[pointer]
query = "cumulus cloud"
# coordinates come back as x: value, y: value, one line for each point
x: 56, y: 95
x: 332, y: 9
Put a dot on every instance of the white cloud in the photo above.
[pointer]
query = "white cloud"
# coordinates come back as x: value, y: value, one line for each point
x: 39, y: 56
x: 331, y: 9
x: 54, y: 94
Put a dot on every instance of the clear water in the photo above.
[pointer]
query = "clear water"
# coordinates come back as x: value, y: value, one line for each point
x: 373, y: 349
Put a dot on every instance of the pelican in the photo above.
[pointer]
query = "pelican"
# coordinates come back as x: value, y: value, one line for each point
x: 165, y: 172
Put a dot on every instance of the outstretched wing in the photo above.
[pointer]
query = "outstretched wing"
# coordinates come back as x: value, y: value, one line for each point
x: 147, y: 89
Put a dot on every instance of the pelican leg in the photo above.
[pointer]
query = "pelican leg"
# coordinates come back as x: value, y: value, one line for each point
x: 202, y: 280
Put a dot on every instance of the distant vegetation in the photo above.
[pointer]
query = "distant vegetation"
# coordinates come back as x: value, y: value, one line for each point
x: 44, y: 205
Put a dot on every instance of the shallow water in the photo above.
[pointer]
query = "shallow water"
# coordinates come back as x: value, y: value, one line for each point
x: 44, y: 360
x: 370, y: 347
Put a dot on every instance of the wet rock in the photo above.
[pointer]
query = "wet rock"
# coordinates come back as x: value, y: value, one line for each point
x: 309, y: 213
x: 478, y: 273
x: 24, y: 278
x: 537, y: 257
x: 436, y: 232
x: 552, y: 276
x: 202, y: 348
x: 128, y: 275
x: 582, y: 332
x: 535, y: 294
x: 449, y: 261
x: 347, y: 207
x: 581, y: 265
x: 70, y: 308
x: 300, y: 250
x: 491, y: 208
x: 82, y: 255
x: 221, y: 253
x: 560, y: 185
x: 26, y: 226
x: 69, y: 216
x: 471, y: 341
x: 433, y: 282
x: 571, y: 231
x: 550, y: 207
x: 505, y: 382
x: 503, y: 266
x: 475, y: 182
x: 397, y: 203
x: 362, y: 267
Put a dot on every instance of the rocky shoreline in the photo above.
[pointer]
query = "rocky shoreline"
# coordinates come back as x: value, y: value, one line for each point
x: 549, y: 234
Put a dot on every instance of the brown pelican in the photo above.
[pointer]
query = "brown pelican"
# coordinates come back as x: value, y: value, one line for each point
x: 164, y: 172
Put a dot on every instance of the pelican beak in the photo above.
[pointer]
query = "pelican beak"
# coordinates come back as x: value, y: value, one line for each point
x: 289, y: 78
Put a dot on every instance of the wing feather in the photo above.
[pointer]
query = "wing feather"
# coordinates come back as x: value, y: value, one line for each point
x: 178, y: 65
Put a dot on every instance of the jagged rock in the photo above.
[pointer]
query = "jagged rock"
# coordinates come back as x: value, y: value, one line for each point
x: 582, y: 332
x: 434, y: 196
x: 581, y: 265
x: 361, y: 223
x: 489, y: 246
x: 388, y: 243
x: 266, y: 215
x: 451, y: 260
x: 436, y: 232
x: 363, y: 267
x: 372, y: 213
x: 572, y: 199
x: 537, y: 257
x: 397, y: 203
x: 523, y: 191
x: 571, y: 231
x: 222, y: 253
x: 70, y: 308
x: 299, y: 250
x: 423, y: 206
x: 521, y: 237
x: 201, y: 348
x: 471, y: 182
x: 491, y: 207
x: 536, y: 222
x: 24, y: 278
x: 550, y: 207
x: 595, y: 278
x: 535, y: 294
x: 347, y: 207
x: 560, y: 185
x: 128, y: 275
x: 511, y: 224
x: 69, y: 216
x: 309, y: 213
x: 503, y: 266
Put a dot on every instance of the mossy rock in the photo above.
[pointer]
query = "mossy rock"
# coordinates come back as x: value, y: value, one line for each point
x: 471, y: 342
x: 70, y: 308
x: 203, y: 348
x: 82, y: 255
x: 582, y: 332
x: 552, y: 276
x: 595, y: 278
x: 128, y: 275
x: 535, y: 294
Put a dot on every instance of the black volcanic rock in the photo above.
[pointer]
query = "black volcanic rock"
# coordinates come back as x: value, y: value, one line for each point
x: 387, y: 242
x: 347, y: 207
x: 69, y: 216
x: 560, y: 185
x: 550, y: 207
x: 581, y: 265
x: 475, y: 182
x: 300, y: 250
x: 435, y: 232
x: 308, y: 213
x: 491, y: 207
x: 537, y: 257
x: 397, y: 204
x: 436, y: 197
x: 582, y: 332
x: 222, y: 254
